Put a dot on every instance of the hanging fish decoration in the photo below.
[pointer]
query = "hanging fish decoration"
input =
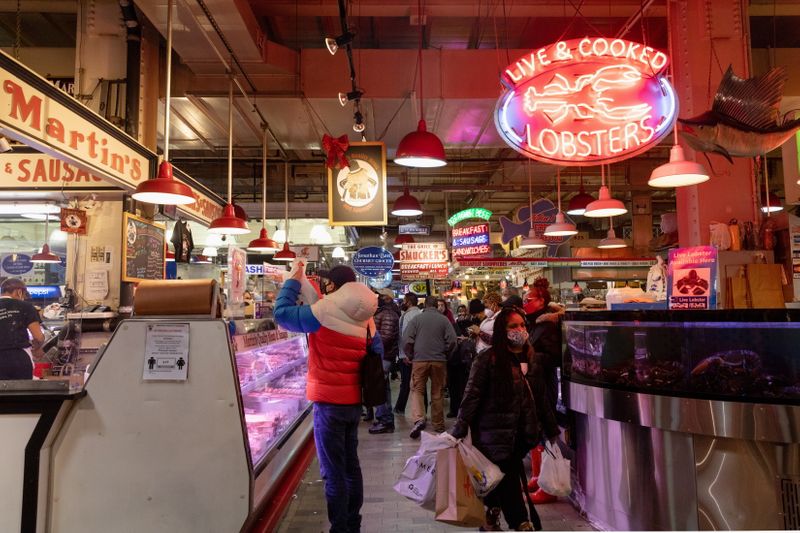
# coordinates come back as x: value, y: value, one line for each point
x: 744, y: 120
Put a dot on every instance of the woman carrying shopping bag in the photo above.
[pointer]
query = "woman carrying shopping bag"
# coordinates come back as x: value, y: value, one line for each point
x: 504, y: 406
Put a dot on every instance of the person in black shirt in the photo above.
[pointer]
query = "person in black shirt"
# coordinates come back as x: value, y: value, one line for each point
x: 17, y: 318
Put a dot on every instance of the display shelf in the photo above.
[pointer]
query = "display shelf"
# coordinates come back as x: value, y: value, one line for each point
x: 272, y: 376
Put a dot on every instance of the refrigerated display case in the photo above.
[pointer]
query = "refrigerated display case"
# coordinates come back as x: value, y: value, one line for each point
x: 206, y: 449
x: 674, y: 409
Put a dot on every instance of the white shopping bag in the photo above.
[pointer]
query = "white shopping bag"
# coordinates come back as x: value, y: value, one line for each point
x: 417, y: 481
x: 484, y: 474
x: 554, y: 478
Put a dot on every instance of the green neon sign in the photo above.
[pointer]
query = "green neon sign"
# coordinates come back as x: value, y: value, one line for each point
x: 472, y: 212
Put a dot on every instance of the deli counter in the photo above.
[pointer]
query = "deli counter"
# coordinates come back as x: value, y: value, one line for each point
x: 687, y: 420
x: 201, y: 446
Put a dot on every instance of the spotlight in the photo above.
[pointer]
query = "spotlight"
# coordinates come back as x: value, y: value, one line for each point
x: 334, y: 43
x: 358, y: 125
x: 5, y: 146
x: 349, y: 97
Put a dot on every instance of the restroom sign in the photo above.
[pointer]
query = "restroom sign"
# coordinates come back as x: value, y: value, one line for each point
x: 586, y: 102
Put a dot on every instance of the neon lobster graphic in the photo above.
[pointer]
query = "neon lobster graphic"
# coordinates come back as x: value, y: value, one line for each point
x: 588, y: 97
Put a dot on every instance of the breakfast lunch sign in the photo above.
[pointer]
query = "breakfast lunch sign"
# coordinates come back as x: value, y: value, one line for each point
x: 585, y: 102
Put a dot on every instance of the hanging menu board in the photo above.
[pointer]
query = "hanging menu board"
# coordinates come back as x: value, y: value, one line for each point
x: 143, y: 243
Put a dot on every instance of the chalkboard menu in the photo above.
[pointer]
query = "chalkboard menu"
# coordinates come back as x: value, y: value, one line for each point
x: 143, y: 242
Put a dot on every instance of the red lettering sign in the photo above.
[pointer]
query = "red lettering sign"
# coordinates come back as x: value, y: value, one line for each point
x: 586, y: 102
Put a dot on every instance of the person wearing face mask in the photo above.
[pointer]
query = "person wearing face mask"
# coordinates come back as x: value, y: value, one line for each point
x: 409, y: 311
x: 483, y: 332
x: 505, y: 410
x: 17, y: 319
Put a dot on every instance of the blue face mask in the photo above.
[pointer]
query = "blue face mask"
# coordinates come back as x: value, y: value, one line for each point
x: 517, y: 337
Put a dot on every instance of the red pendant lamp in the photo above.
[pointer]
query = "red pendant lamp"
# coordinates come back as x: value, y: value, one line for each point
x: 229, y: 223
x: 770, y: 203
x: 165, y: 189
x: 285, y: 254
x: 420, y: 148
x: 577, y: 205
x: 406, y: 205
x: 605, y: 205
x: 45, y: 256
x: 263, y: 243
x: 400, y: 240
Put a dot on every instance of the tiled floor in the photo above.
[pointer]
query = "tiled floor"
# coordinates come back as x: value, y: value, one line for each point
x: 382, y: 458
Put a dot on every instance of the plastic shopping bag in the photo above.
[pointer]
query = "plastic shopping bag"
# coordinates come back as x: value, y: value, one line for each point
x: 456, y: 501
x: 555, y: 474
x: 417, y: 481
x: 484, y: 474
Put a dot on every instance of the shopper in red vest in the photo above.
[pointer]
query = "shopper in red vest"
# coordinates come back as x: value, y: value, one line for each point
x: 338, y: 325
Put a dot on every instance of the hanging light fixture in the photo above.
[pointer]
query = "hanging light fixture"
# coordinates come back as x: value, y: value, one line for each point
x: 531, y: 241
x: 611, y: 241
x: 605, y: 205
x: 334, y: 43
x: 165, y: 189
x: 770, y: 203
x: 678, y: 172
x: 263, y: 243
x: 229, y: 223
x: 338, y: 253
x: 577, y: 205
x: 406, y: 205
x: 45, y: 256
x: 560, y: 228
x: 285, y: 254
x: 209, y: 251
x: 400, y: 240
x: 420, y: 148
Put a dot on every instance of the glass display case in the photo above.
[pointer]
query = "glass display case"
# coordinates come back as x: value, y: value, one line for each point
x: 748, y: 355
x: 271, y: 368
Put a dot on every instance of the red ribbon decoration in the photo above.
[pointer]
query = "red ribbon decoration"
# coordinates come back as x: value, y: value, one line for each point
x: 335, y: 148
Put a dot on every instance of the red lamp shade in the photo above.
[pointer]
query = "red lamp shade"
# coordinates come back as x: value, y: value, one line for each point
x: 263, y: 243
x: 577, y: 205
x: 45, y: 256
x: 164, y: 189
x: 229, y: 223
x: 400, y: 240
x: 420, y: 148
x: 406, y: 205
x: 285, y: 255
x: 770, y: 203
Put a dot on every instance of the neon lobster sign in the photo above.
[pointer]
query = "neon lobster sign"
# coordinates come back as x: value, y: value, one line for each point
x: 586, y: 102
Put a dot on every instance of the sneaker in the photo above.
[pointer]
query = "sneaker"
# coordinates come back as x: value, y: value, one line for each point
x: 417, y: 431
x: 492, y: 520
x: 381, y: 428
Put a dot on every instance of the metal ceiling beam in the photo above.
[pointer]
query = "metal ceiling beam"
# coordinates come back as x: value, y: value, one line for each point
x: 207, y: 112
x: 193, y: 129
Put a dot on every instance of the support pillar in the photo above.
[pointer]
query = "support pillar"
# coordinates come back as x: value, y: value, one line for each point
x: 707, y: 36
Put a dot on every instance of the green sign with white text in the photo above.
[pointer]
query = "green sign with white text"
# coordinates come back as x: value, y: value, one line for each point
x: 472, y: 212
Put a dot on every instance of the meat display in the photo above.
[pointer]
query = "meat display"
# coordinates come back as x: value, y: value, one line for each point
x: 273, y: 379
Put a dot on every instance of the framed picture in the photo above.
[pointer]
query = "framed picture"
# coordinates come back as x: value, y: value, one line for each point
x: 357, y: 194
x: 143, y: 249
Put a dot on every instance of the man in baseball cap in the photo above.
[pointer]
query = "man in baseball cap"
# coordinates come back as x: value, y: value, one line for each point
x: 17, y: 318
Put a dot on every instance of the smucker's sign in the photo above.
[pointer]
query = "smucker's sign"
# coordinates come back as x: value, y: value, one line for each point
x: 39, y: 115
x: 586, y: 102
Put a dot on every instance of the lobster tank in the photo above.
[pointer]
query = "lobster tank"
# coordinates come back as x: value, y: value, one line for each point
x: 686, y: 420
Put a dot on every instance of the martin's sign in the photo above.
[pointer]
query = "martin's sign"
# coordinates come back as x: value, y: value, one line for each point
x: 39, y: 115
x: 40, y: 171
x: 586, y: 102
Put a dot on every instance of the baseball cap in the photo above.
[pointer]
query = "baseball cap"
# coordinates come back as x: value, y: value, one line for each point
x: 339, y: 275
x: 386, y: 292
x: 13, y: 284
x: 512, y: 301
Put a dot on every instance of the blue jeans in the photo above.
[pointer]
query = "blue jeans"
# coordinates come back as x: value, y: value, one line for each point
x: 336, y: 437
x: 384, y: 412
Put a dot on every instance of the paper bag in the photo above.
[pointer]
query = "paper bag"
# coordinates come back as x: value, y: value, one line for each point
x: 764, y: 282
x: 456, y: 501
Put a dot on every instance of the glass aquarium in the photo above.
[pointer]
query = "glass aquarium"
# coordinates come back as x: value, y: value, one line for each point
x: 732, y: 360
x: 271, y: 367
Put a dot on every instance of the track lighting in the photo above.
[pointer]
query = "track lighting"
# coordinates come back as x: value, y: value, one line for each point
x: 349, y: 97
x: 334, y: 43
x: 358, y: 125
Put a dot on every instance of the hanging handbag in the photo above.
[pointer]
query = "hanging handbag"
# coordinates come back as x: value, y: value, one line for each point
x: 373, y: 380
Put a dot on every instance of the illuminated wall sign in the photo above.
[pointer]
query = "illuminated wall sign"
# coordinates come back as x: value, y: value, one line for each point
x: 423, y: 260
x: 471, y: 241
x: 586, y: 101
x: 472, y: 212
x: 39, y: 115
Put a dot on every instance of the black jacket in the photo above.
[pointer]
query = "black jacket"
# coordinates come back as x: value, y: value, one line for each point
x: 387, y: 322
x: 545, y: 337
x: 505, y: 425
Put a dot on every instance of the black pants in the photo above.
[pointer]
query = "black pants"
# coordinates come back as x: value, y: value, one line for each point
x: 15, y: 364
x: 508, y: 495
x: 456, y: 382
